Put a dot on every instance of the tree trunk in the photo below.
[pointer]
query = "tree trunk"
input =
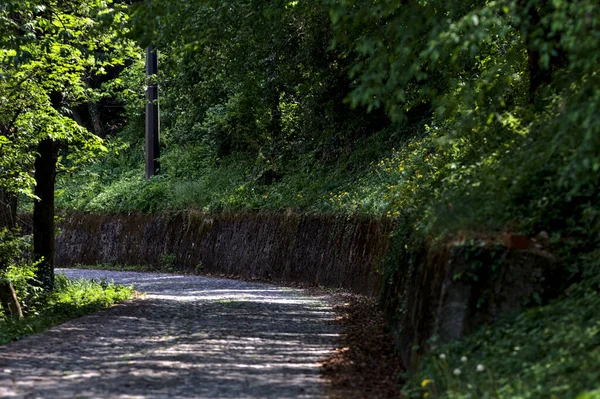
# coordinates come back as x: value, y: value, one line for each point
x: 539, y: 76
x: 9, y: 300
x: 275, y: 128
x: 8, y: 215
x: 43, y: 212
x: 96, y: 119
x: 8, y: 210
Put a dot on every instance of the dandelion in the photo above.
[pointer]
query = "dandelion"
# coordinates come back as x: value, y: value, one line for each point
x: 442, y: 356
x: 425, y: 382
x: 456, y: 371
x: 480, y: 368
x: 463, y: 359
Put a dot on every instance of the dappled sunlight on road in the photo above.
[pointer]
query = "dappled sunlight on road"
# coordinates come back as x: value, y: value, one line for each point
x: 189, y: 337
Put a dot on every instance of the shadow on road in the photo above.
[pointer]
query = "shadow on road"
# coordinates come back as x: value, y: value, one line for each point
x: 191, y: 337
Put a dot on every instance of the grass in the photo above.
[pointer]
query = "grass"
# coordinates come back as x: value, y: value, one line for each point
x: 234, y: 184
x: 118, y: 267
x: 550, y: 352
x: 71, y: 299
x: 165, y: 268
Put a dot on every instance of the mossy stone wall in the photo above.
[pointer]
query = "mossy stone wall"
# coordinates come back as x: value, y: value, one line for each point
x: 326, y: 250
x: 445, y: 291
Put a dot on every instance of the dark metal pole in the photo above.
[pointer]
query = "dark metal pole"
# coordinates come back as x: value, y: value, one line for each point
x: 152, y: 114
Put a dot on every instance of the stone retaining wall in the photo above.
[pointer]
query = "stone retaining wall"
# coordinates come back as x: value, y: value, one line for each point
x: 326, y: 250
x: 445, y: 291
x: 449, y: 290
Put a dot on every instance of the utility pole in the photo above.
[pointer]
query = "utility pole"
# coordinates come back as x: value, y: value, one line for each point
x: 152, y: 116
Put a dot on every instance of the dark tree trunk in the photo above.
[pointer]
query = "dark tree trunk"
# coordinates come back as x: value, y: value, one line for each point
x: 532, y: 30
x: 275, y: 127
x: 96, y: 119
x: 8, y: 210
x: 8, y: 215
x: 537, y: 76
x: 43, y: 212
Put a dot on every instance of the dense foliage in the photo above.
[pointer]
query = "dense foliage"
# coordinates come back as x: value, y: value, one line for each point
x: 478, y: 116
x: 50, y: 51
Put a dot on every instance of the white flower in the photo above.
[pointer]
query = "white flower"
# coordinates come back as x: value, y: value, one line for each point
x: 442, y: 356
x: 456, y: 371
x: 480, y: 367
x: 463, y: 359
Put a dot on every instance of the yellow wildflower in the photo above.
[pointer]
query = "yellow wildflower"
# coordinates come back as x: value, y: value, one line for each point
x: 425, y: 382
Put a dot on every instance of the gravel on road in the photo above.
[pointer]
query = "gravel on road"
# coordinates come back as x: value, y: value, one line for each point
x: 189, y: 337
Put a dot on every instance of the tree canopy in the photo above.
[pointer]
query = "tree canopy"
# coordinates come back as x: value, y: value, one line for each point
x: 453, y: 119
x: 452, y: 116
x: 49, y: 53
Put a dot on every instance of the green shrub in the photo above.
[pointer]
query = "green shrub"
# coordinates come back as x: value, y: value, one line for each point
x: 18, y: 270
x: 167, y: 262
x: 70, y: 299
x: 200, y: 268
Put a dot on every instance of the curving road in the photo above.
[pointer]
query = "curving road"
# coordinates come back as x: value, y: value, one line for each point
x: 189, y: 337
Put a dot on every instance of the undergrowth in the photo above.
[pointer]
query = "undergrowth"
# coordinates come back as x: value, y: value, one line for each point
x: 357, y: 182
x: 69, y: 300
x: 551, y: 351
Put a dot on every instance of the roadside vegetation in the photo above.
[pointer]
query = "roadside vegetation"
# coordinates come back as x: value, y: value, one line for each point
x: 551, y: 351
x: 52, y: 54
x: 69, y: 300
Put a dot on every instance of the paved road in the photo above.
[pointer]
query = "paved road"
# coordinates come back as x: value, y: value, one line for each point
x: 190, y: 337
